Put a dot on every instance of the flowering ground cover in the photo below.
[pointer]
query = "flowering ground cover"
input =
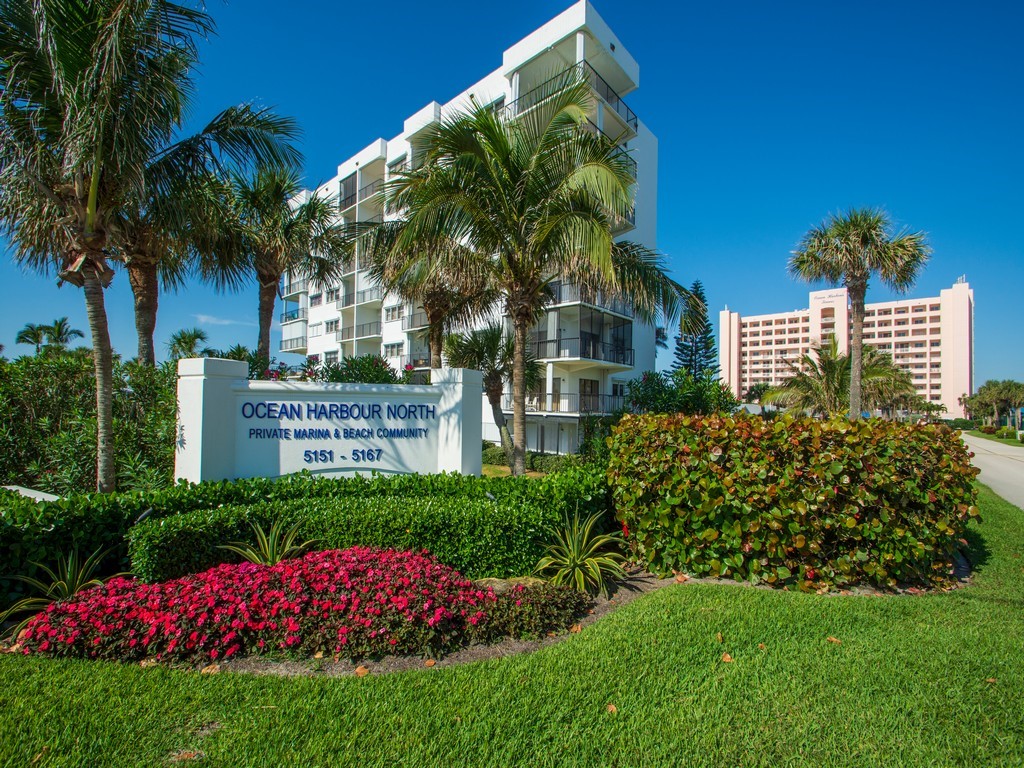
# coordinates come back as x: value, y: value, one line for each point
x: 354, y: 603
x: 935, y: 679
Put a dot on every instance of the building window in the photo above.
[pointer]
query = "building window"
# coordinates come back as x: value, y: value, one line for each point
x: 333, y: 295
x: 316, y: 329
x: 316, y: 300
x: 618, y: 389
x: 331, y: 326
x: 331, y: 358
x: 394, y: 350
x: 391, y: 314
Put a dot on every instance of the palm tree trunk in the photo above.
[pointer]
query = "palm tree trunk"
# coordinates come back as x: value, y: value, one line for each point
x: 494, y: 393
x: 857, y: 293
x: 436, y: 336
x: 102, y: 355
x: 521, y: 327
x: 268, y: 297
x: 146, y: 289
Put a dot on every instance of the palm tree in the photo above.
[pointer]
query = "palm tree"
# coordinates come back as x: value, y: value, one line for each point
x: 491, y: 351
x: 185, y: 211
x: 820, y: 381
x: 61, y: 333
x: 188, y: 342
x: 527, y: 200
x: 32, y: 334
x: 283, y: 229
x: 236, y: 352
x: 90, y: 90
x: 850, y: 248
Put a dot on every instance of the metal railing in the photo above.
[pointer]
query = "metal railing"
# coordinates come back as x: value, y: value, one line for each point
x: 414, y: 320
x: 348, y: 201
x: 295, y: 286
x: 368, y: 295
x: 344, y: 334
x: 294, y: 314
x: 416, y: 360
x: 399, y: 167
x: 371, y: 189
x: 549, y: 87
x: 566, y: 403
x: 620, y: 151
x: 364, y: 330
x: 290, y: 344
x: 568, y: 293
x: 348, y: 300
x: 587, y: 349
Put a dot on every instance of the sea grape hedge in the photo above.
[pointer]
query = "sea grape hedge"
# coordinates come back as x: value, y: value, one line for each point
x: 815, y: 503
x: 43, y: 531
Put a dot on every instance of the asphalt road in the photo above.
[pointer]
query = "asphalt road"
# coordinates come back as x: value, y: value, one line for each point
x: 1002, y: 466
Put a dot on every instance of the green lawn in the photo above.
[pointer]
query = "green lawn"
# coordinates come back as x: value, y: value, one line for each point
x: 976, y: 433
x: 908, y: 685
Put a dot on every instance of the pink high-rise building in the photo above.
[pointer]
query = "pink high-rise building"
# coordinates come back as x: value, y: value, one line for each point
x: 931, y: 338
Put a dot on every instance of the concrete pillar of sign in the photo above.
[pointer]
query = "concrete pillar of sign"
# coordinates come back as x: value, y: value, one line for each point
x: 460, y: 420
x: 205, y: 442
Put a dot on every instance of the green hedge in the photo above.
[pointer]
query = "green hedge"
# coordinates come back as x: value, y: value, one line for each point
x: 42, y: 531
x: 794, y: 500
x: 535, y: 462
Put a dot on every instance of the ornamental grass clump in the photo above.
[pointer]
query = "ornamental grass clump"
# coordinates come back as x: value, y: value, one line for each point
x: 353, y: 603
x: 815, y: 503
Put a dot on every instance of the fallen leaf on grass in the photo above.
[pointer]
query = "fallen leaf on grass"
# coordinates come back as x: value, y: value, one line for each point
x: 682, y: 578
x: 762, y: 646
x: 429, y: 663
x: 575, y: 628
x: 186, y: 754
x: 835, y: 640
x: 318, y: 655
x: 990, y: 680
x: 40, y: 756
x: 147, y: 663
x: 726, y: 658
x: 612, y: 709
x: 210, y: 669
x: 362, y: 671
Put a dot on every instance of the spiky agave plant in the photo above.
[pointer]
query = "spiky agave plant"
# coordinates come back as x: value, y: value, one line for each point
x: 273, y: 547
x: 582, y: 558
x: 70, y: 576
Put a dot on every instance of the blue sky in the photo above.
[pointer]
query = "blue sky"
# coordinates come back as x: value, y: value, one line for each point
x: 769, y: 117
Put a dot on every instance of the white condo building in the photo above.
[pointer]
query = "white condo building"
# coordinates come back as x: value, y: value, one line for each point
x: 931, y: 338
x: 590, y: 345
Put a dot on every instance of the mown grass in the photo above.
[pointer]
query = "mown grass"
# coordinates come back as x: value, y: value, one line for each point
x: 1004, y: 440
x: 909, y: 684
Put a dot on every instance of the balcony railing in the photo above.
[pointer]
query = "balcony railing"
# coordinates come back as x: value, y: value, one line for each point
x: 288, y: 345
x: 371, y: 189
x: 368, y: 295
x: 363, y: 330
x: 348, y: 300
x: 414, y: 320
x: 585, y: 349
x: 546, y: 89
x: 295, y: 286
x: 620, y: 151
x: 567, y: 403
x: 294, y: 314
x: 348, y: 201
x: 344, y: 333
x: 567, y: 293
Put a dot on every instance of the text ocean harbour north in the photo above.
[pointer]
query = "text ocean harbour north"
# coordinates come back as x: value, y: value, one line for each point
x: 366, y: 412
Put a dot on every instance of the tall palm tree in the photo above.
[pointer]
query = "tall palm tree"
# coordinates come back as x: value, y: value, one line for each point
x: 188, y: 342
x: 283, y: 229
x: 32, y: 334
x: 527, y: 200
x: 851, y: 248
x: 185, y: 213
x: 491, y: 351
x: 60, y: 333
x: 90, y: 90
x: 820, y: 381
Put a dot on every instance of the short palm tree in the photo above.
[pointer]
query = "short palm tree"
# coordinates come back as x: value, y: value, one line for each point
x: 188, y: 342
x: 491, y: 351
x: 850, y: 248
x: 820, y: 381
x: 90, y: 90
x: 60, y: 333
x: 284, y: 229
x: 185, y: 213
x: 527, y: 200
x: 32, y: 334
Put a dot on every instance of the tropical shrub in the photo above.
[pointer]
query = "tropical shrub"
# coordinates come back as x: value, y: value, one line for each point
x: 679, y: 392
x: 273, y: 547
x: 1006, y: 433
x: 354, y: 603
x: 363, y: 369
x: 818, y: 503
x: 535, y: 462
x: 987, y: 429
x: 583, y: 558
x: 960, y: 423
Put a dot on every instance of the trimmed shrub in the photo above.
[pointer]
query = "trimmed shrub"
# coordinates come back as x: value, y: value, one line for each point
x: 960, y: 423
x: 794, y: 500
x: 987, y: 429
x: 355, y: 603
x: 494, y: 454
x: 1006, y: 433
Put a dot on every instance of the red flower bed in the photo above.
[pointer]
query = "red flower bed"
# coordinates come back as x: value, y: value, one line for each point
x: 354, y: 602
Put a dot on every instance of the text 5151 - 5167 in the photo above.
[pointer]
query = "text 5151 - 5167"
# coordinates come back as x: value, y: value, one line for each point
x: 327, y: 457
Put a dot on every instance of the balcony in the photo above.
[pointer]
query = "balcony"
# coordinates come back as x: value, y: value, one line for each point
x: 567, y: 403
x: 367, y: 330
x: 344, y: 334
x: 371, y: 189
x: 567, y: 293
x: 297, y: 344
x: 293, y: 288
x: 620, y: 151
x: 369, y: 295
x: 294, y: 314
x: 348, y: 201
x: 419, y: 359
x: 348, y: 300
x: 545, y: 90
x: 585, y: 349
x: 414, y: 321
